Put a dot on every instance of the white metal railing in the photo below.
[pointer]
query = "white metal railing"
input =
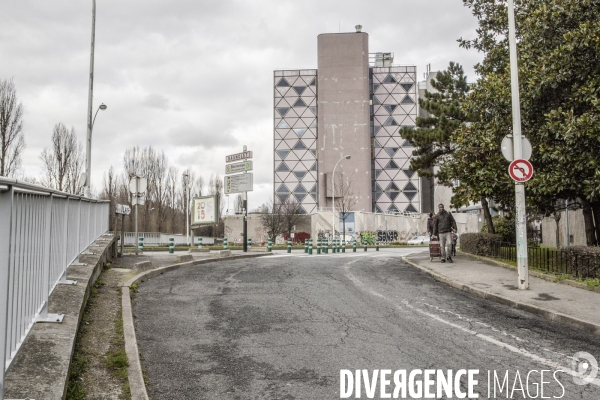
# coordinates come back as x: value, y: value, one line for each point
x: 42, y: 231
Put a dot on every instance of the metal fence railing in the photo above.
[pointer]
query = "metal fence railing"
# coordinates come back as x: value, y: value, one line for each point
x: 557, y: 261
x: 42, y: 231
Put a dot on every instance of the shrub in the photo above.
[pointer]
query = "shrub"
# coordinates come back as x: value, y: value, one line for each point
x: 584, y: 260
x: 481, y: 244
x: 505, y: 226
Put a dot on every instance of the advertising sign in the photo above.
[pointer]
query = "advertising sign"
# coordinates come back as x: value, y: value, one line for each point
x: 204, y: 210
x: 238, y: 167
x: 238, y: 183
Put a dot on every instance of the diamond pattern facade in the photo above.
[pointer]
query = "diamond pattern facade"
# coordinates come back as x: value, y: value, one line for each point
x: 394, y: 95
x: 295, y: 131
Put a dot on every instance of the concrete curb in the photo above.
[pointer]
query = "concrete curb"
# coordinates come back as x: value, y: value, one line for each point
x: 550, y: 315
x: 137, y: 385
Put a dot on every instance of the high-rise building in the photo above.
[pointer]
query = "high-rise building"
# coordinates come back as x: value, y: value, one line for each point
x: 353, y: 104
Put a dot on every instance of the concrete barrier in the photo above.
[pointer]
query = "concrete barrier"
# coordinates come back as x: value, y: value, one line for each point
x: 253, y: 249
x: 142, y: 266
x: 184, y: 258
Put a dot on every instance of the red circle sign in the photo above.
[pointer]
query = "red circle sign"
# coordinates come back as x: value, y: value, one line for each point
x: 520, y: 170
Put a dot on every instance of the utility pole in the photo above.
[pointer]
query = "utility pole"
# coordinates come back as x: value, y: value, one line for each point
x: 521, y: 214
x: 88, y: 144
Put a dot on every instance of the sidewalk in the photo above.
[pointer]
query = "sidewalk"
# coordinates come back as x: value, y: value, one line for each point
x: 558, y: 302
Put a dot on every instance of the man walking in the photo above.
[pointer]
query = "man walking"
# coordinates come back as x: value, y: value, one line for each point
x: 444, y: 226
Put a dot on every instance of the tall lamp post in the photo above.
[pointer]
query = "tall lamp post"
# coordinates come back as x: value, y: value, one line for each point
x: 333, y: 196
x: 90, y: 122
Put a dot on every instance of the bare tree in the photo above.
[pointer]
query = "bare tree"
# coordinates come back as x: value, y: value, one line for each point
x: 109, y: 192
x: 62, y: 164
x: 345, y: 198
x: 12, y: 141
x: 291, y: 214
x: 272, y: 219
x: 238, y: 203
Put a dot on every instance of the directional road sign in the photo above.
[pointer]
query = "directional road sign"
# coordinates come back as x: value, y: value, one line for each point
x: 239, y: 156
x: 238, y: 183
x: 238, y: 167
x: 520, y: 170
x: 142, y: 184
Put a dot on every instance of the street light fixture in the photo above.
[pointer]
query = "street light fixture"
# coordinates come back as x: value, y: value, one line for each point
x: 88, y: 155
x: 333, y: 196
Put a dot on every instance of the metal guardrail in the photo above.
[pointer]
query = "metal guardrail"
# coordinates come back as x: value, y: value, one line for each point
x: 42, y: 231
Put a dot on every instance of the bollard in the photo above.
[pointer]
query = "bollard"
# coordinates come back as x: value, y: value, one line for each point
x: 249, y: 243
x: 354, y: 246
x: 171, y: 245
x: 141, y: 244
x: 325, y: 246
x: 199, y: 242
x: 377, y: 245
x: 334, y: 247
x: 224, y: 243
x: 318, y: 246
x: 309, y: 246
x: 269, y: 245
x: 343, y: 245
x: 365, y: 246
x: 289, y: 245
x: 306, y: 246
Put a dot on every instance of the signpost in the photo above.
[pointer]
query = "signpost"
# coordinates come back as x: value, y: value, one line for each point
x: 240, y: 183
x: 238, y: 167
x: 137, y: 187
x: 123, y: 210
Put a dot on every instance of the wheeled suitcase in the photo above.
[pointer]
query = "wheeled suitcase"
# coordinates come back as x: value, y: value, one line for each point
x: 434, y: 249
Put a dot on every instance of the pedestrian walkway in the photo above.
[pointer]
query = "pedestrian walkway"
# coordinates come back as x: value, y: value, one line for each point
x: 559, y: 302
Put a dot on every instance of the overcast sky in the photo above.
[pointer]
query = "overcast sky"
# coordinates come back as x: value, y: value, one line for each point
x: 194, y: 77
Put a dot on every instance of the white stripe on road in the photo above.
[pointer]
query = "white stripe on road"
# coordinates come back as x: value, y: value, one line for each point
x: 486, y: 338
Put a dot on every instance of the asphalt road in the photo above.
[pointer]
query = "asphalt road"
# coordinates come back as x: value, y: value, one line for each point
x: 283, y: 326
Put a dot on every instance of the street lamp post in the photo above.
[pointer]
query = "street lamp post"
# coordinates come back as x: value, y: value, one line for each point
x: 90, y: 122
x: 187, y: 208
x: 333, y: 196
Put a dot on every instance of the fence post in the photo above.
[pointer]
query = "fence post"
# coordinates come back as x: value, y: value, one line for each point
x: 47, y: 254
x: 6, y: 246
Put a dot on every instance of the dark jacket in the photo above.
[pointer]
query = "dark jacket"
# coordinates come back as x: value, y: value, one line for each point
x: 443, y: 223
x: 430, y: 225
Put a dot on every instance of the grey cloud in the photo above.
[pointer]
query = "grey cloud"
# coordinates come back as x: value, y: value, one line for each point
x: 156, y: 100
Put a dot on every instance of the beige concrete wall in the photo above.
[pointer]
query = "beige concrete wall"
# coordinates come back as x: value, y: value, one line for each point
x: 576, y: 229
x: 407, y: 227
x: 344, y: 109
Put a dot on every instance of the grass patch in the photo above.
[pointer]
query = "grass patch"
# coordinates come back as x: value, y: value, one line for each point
x: 116, y: 357
x: 134, y: 287
x: 75, y: 388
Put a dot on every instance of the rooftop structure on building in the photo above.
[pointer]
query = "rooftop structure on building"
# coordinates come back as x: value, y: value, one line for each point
x: 353, y: 104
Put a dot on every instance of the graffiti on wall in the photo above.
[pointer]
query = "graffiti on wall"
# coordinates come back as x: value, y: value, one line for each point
x: 387, y: 236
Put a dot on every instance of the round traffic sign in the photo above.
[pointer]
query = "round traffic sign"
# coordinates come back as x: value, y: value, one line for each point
x: 520, y: 170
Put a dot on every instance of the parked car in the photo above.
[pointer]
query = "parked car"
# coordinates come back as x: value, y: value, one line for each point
x: 419, y: 240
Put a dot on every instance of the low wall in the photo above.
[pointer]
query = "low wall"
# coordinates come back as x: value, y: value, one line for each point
x: 40, y: 369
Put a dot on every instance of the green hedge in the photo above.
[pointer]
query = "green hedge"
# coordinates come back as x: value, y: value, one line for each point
x: 481, y: 244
